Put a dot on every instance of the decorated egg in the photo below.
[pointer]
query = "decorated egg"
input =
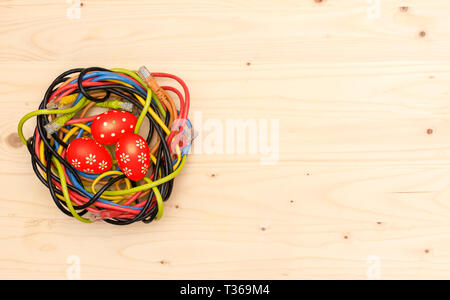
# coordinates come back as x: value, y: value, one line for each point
x: 86, y: 155
x: 133, y: 156
x: 110, y: 126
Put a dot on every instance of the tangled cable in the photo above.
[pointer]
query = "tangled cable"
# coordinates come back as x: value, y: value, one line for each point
x: 63, y: 120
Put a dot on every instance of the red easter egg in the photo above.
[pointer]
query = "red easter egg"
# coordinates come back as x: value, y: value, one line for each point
x: 88, y: 156
x: 133, y: 156
x: 110, y: 126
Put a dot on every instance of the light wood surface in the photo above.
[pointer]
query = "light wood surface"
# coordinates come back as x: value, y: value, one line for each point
x: 363, y: 100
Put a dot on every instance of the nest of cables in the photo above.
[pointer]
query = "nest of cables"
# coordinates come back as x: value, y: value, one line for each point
x: 96, y: 153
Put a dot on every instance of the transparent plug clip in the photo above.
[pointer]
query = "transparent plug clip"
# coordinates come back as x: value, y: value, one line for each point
x: 52, y: 105
x: 100, y: 216
x: 127, y: 106
x: 144, y: 73
x: 183, y: 138
x: 51, y: 128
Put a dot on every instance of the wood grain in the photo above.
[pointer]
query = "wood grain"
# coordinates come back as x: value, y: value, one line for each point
x: 364, y: 162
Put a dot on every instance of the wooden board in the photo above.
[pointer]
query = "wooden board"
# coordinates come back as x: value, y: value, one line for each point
x: 361, y: 187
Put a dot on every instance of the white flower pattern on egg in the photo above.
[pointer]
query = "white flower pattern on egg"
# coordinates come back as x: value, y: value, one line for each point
x: 87, y: 155
x: 103, y: 165
x: 144, y: 169
x: 142, y: 157
x: 140, y: 144
x: 124, y: 158
x: 76, y: 163
x: 127, y: 171
x: 138, y: 152
x: 90, y: 159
